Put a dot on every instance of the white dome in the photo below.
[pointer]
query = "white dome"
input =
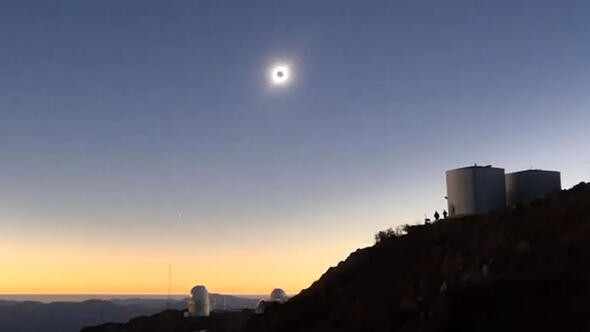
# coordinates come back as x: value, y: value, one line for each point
x: 199, y: 291
x: 198, y: 303
x: 278, y: 295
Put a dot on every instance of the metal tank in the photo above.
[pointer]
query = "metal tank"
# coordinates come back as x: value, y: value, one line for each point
x: 525, y: 186
x: 198, y: 302
x: 475, y: 190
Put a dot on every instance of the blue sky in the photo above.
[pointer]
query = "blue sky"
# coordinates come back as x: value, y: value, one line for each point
x: 119, y: 116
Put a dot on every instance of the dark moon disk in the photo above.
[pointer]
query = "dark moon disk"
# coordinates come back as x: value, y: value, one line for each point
x: 280, y: 74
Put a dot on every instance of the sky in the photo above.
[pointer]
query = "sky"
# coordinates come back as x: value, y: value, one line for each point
x: 137, y: 134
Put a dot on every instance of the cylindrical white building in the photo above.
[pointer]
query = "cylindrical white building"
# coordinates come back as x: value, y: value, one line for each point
x: 475, y: 190
x: 525, y: 186
x: 198, y: 303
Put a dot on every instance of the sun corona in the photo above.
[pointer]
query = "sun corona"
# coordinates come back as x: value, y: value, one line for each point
x: 280, y: 74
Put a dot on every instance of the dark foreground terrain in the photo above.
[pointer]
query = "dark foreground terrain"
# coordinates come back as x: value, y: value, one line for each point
x: 173, y: 321
x: 523, y: 270
x: 527, y: 269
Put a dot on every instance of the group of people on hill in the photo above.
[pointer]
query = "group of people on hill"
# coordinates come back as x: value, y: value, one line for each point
x: 436, y: 216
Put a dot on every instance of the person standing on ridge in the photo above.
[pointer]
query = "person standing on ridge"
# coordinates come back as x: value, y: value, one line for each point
x: 436, y: 215
x: 445, y: 214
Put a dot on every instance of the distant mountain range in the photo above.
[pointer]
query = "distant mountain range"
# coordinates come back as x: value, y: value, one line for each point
x: 31, y: 316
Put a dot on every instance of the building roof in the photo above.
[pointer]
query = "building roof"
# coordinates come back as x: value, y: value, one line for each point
x: 534, y: 171
x: 475, y: 167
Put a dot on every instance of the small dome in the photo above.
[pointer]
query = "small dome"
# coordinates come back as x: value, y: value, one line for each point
x: 278, y: 295
x: 199, y: 291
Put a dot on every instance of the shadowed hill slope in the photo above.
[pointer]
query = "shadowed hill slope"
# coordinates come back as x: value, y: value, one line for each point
x: 174, y: 321
x: 525, y: 269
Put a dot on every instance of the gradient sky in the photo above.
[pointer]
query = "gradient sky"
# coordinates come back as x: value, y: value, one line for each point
x: 138, y: 133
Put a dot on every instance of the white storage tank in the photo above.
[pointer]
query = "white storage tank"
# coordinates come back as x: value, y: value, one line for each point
x: 475, y: 190
x: 198, y: 302
x: 525, y: 186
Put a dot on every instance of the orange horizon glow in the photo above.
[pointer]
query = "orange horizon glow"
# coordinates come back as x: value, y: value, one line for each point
x: 42, y: 267
x: 108, y: 259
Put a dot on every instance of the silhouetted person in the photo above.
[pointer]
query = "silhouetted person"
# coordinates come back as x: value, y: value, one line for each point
x: 436, y: 215
x: 445, y: 214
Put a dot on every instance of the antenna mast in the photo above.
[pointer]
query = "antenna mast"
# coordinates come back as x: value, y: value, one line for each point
x: 169, y: 285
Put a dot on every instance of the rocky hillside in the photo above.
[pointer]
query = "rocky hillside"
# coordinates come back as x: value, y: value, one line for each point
x: 521, y: 270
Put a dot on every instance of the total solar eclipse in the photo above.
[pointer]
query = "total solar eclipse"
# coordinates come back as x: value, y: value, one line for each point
x: 280, y: 74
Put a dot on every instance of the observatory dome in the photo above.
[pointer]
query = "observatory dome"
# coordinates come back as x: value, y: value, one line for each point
x: 198, y: 303
x: 278, y: 295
